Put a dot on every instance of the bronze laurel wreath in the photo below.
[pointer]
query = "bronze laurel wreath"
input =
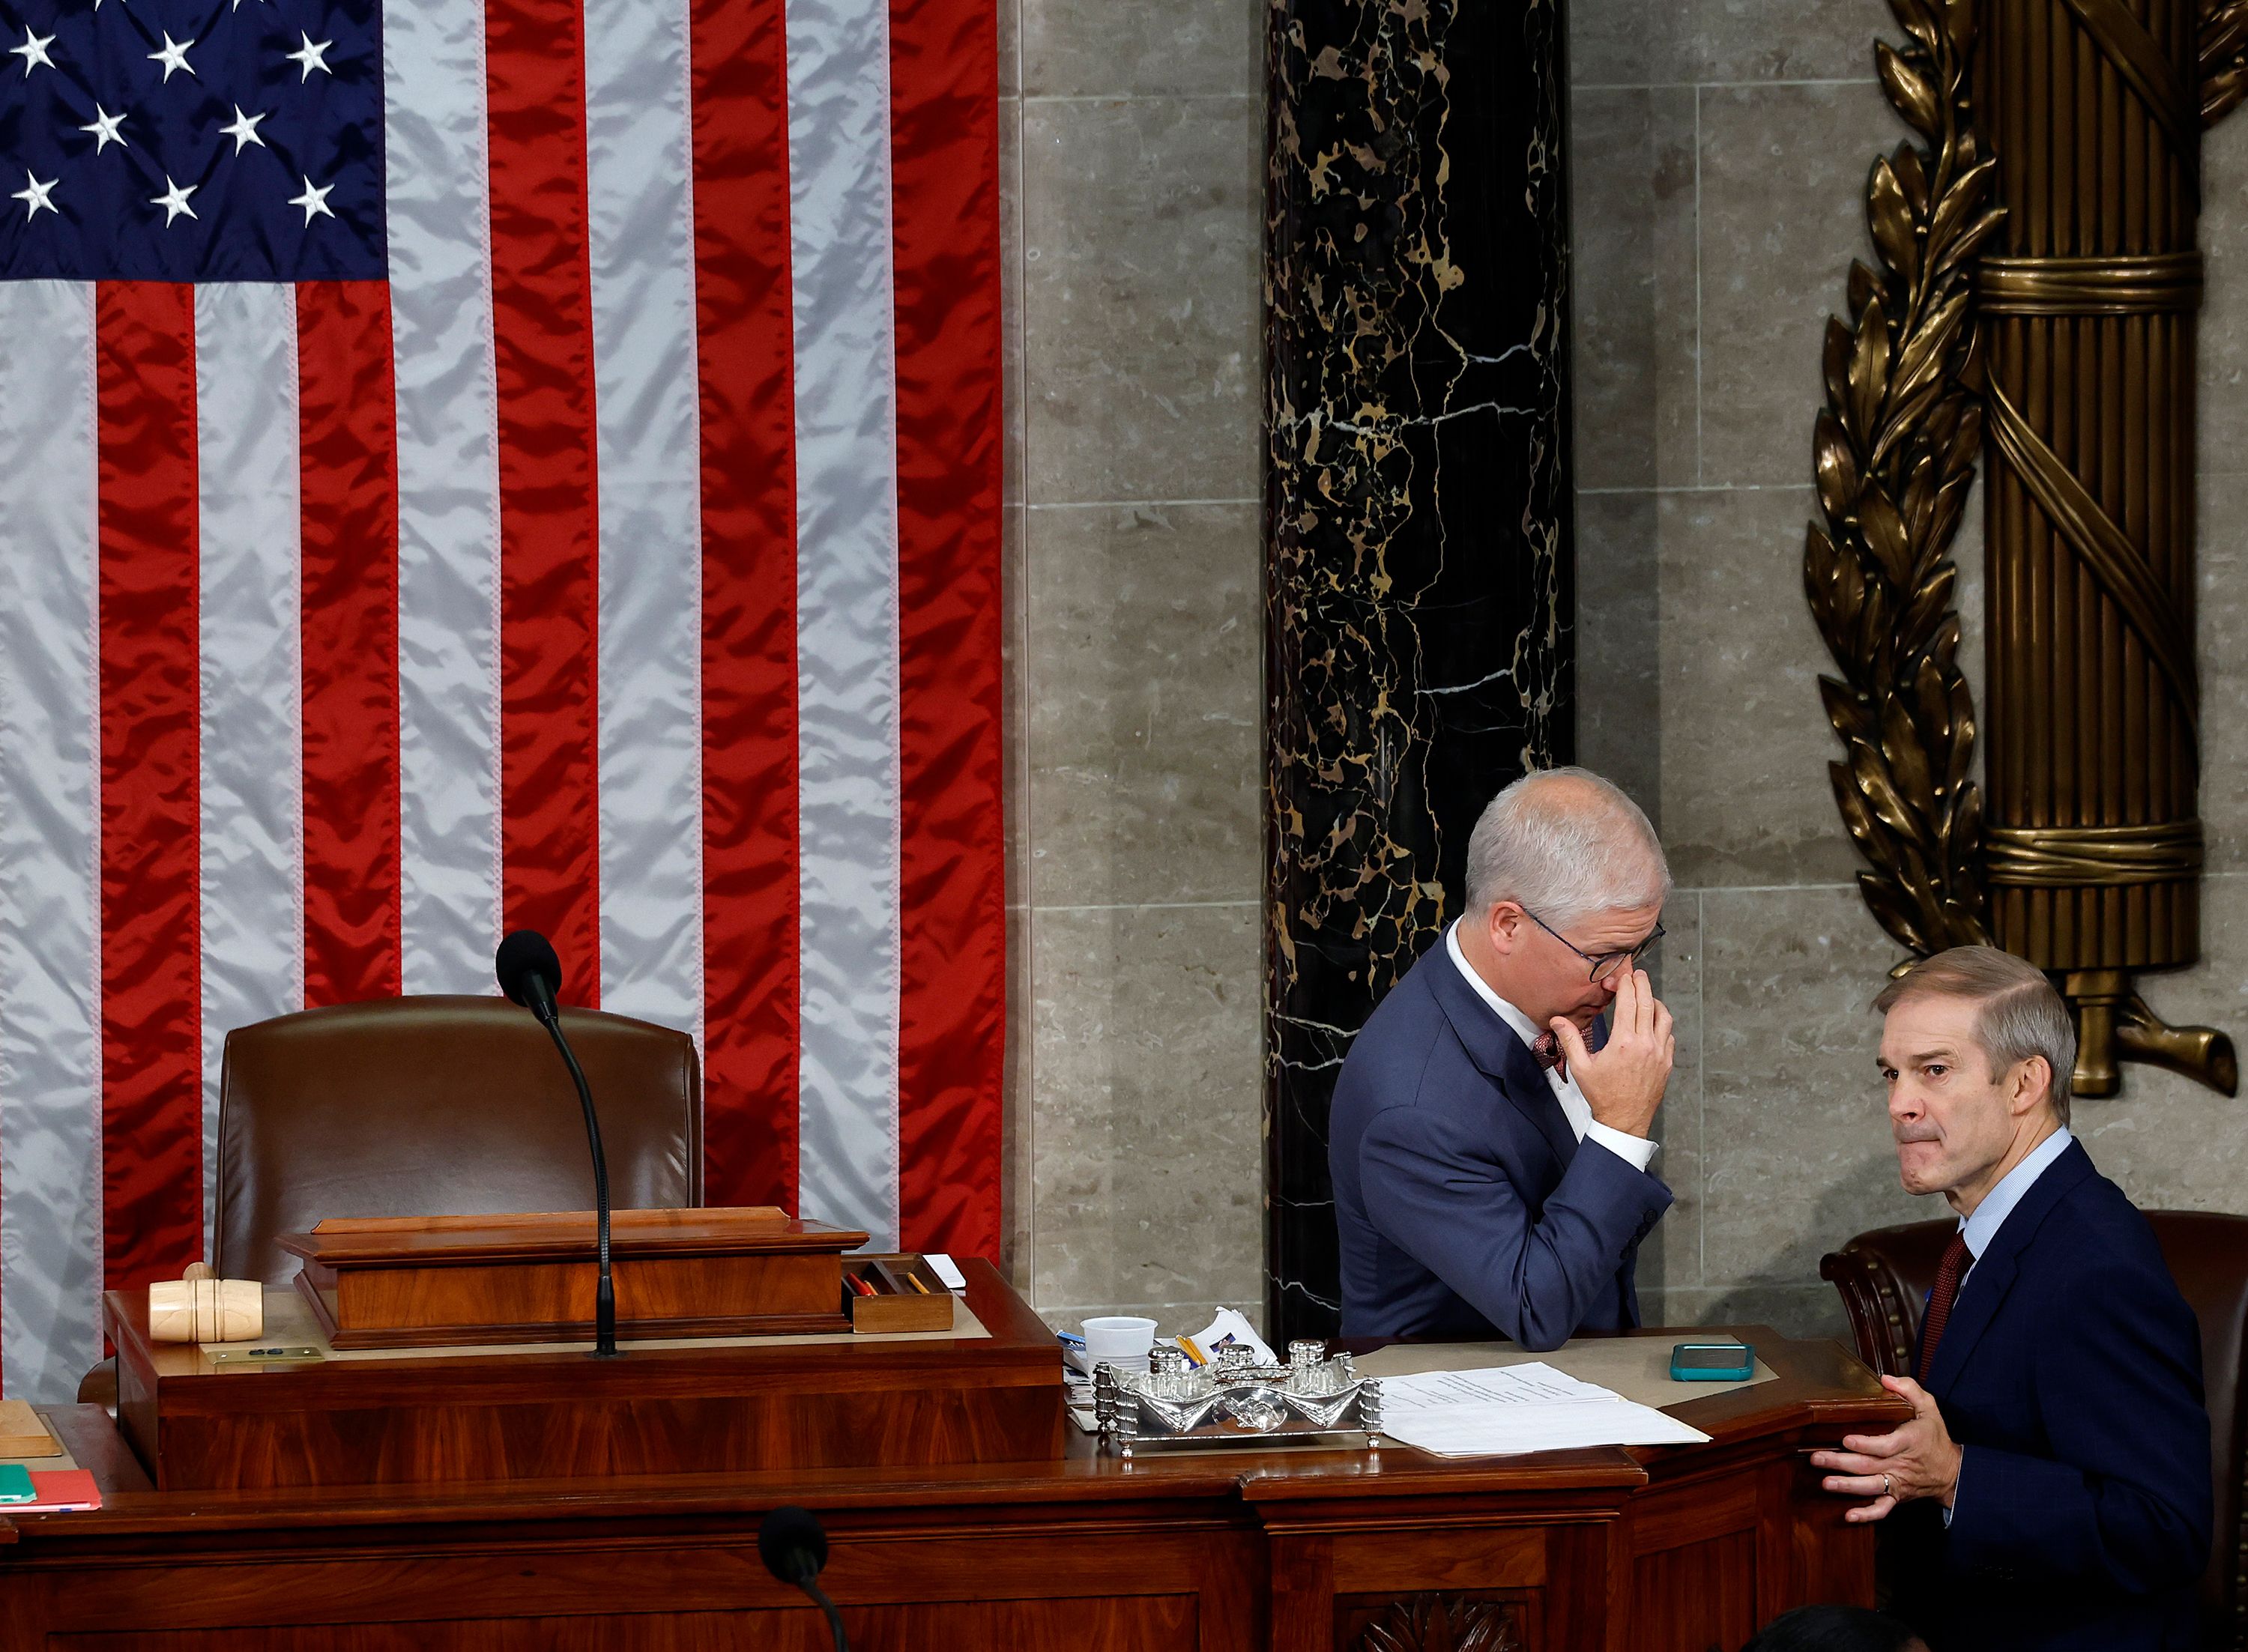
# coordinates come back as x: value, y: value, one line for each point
x: 2224, y: 58
x: 1894, y: 451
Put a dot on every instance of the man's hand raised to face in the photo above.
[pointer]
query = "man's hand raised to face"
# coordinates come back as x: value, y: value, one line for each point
x: 1623, y: 1081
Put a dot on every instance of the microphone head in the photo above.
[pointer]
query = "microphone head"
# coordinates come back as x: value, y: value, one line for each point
x: 792, y: 1544
x: 524, y: 954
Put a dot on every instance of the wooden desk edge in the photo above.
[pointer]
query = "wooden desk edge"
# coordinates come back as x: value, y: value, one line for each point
x: 1840, y: 1392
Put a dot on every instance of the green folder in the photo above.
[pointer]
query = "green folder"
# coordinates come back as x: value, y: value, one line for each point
x: 16, y: 1483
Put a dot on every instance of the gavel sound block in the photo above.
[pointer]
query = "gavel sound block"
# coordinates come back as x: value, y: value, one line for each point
x: 200, y: 1308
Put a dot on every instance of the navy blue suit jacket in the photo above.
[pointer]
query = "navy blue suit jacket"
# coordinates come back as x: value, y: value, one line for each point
x: 2070, y: 1374
x: 1466, y: 1206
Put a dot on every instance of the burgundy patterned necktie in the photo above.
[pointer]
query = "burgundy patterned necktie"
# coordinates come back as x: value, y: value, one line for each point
x: 1548, y: 1049
x: 1941, y: 1298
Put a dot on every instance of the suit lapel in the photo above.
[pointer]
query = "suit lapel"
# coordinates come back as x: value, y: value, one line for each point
x: 1994, y: 1271
x: 1500, y: 1054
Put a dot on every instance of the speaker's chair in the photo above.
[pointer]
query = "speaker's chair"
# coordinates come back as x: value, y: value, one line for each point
x: 438, y: 1106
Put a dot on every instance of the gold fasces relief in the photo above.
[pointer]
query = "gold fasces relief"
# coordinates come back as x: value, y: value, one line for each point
x: 2144, y: 284
x: 2089, y: 860
x: 2115, y: 1024
x: 2141, y: 63
x: 2068, y: 857
x: 2120, y: 566
x: 1894, y: 451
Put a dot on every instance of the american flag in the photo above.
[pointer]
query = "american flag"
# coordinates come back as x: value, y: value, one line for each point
x: 469, y: 464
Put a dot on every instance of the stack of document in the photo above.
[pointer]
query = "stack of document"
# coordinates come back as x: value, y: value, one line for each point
x: 1505, y: 1409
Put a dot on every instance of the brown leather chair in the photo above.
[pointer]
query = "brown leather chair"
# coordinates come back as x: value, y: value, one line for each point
x: 1885, y: 1276
x: 434, y: 1107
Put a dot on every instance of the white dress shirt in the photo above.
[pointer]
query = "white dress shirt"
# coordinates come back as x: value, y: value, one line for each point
x: 1635, y: 1151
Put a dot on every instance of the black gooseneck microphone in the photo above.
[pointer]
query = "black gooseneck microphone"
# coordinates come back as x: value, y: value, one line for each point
x: 530, y: 975
x: 794, y: 1548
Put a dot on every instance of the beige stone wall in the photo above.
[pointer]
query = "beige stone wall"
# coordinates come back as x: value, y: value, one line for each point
x: 1720, y: 148
x: 1131, y: 175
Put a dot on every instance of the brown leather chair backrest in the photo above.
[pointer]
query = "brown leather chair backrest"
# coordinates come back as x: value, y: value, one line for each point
x: 1885, y: 1276
x: 442, y: 1106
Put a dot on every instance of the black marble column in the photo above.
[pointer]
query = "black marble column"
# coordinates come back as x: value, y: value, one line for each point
x: 1418, y: 521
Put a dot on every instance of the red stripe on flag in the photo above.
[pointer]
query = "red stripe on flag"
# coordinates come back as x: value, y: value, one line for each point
x: 542, y: 334
x: 347, y: 431
x: 952, y: 1021
x: 151, y: 919
x: 750, y: 938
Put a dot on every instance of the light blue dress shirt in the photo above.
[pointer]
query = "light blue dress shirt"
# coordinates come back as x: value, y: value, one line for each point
x: 1998, y: 1203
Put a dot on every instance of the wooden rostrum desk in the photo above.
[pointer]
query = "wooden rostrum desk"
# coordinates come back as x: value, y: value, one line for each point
x: 1276, y: 1550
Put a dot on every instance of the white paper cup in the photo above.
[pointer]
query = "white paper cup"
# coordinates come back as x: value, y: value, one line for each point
x: 1118, y: 1338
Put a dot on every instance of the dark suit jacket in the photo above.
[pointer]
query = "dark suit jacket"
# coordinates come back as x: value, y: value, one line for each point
x: 2070, y: 1374
x: 1465, y: 1205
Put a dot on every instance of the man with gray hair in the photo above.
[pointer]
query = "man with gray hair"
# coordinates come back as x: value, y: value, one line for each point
x: 2052, y: 1490
x: 1489, y: 1148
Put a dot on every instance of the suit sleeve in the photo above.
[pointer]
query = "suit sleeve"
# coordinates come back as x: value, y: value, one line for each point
x: 2126, y: 1498
x: 1456, y: 1210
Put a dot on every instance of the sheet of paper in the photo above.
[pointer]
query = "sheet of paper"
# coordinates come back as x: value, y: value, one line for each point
x: 1506, y: 1409
x: 1533, y: 1383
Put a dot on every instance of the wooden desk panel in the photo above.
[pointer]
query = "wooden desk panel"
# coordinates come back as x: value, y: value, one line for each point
x: 435, y: 1416
x: 1608, y: 1551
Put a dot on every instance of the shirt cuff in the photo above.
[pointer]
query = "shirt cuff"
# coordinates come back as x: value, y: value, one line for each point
x: 1635, y: 1151
x: 1952, y: 1507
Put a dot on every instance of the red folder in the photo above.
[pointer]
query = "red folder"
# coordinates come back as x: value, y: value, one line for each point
x: 60, y: 1491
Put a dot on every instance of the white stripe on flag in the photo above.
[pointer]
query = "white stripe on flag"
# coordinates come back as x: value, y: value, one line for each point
x: 641, y: 226
x: 439, y: 213
x: 50, y: 1212
x: 252, y: 675
x: 838, y: 133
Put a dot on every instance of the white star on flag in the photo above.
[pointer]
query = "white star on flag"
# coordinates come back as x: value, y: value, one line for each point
x: 173, y: 56
x: 245, y: 129
x: 315, y: 202
x: 104, y: 129
x: 35, y: 195
x: 33, y: 51
x: 309, y: 57
x: 175, y: 200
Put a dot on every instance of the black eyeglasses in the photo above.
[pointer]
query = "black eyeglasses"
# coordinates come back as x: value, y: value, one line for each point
x: 1606, y: 963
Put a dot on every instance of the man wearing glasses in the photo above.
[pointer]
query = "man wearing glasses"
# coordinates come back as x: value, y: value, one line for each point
x: 1489, y: 1148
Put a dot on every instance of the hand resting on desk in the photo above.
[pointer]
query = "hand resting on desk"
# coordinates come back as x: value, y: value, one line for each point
x: 1916, y: 1460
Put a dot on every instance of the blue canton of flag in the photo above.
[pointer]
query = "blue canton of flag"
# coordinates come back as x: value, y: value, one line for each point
x: 191, y: 139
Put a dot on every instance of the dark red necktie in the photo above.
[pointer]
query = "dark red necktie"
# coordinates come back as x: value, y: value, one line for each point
x: 1548, y: 1049
x: 1940, y: 1299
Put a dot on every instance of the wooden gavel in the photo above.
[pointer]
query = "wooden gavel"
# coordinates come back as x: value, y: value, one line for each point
x: 202, y: 1308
